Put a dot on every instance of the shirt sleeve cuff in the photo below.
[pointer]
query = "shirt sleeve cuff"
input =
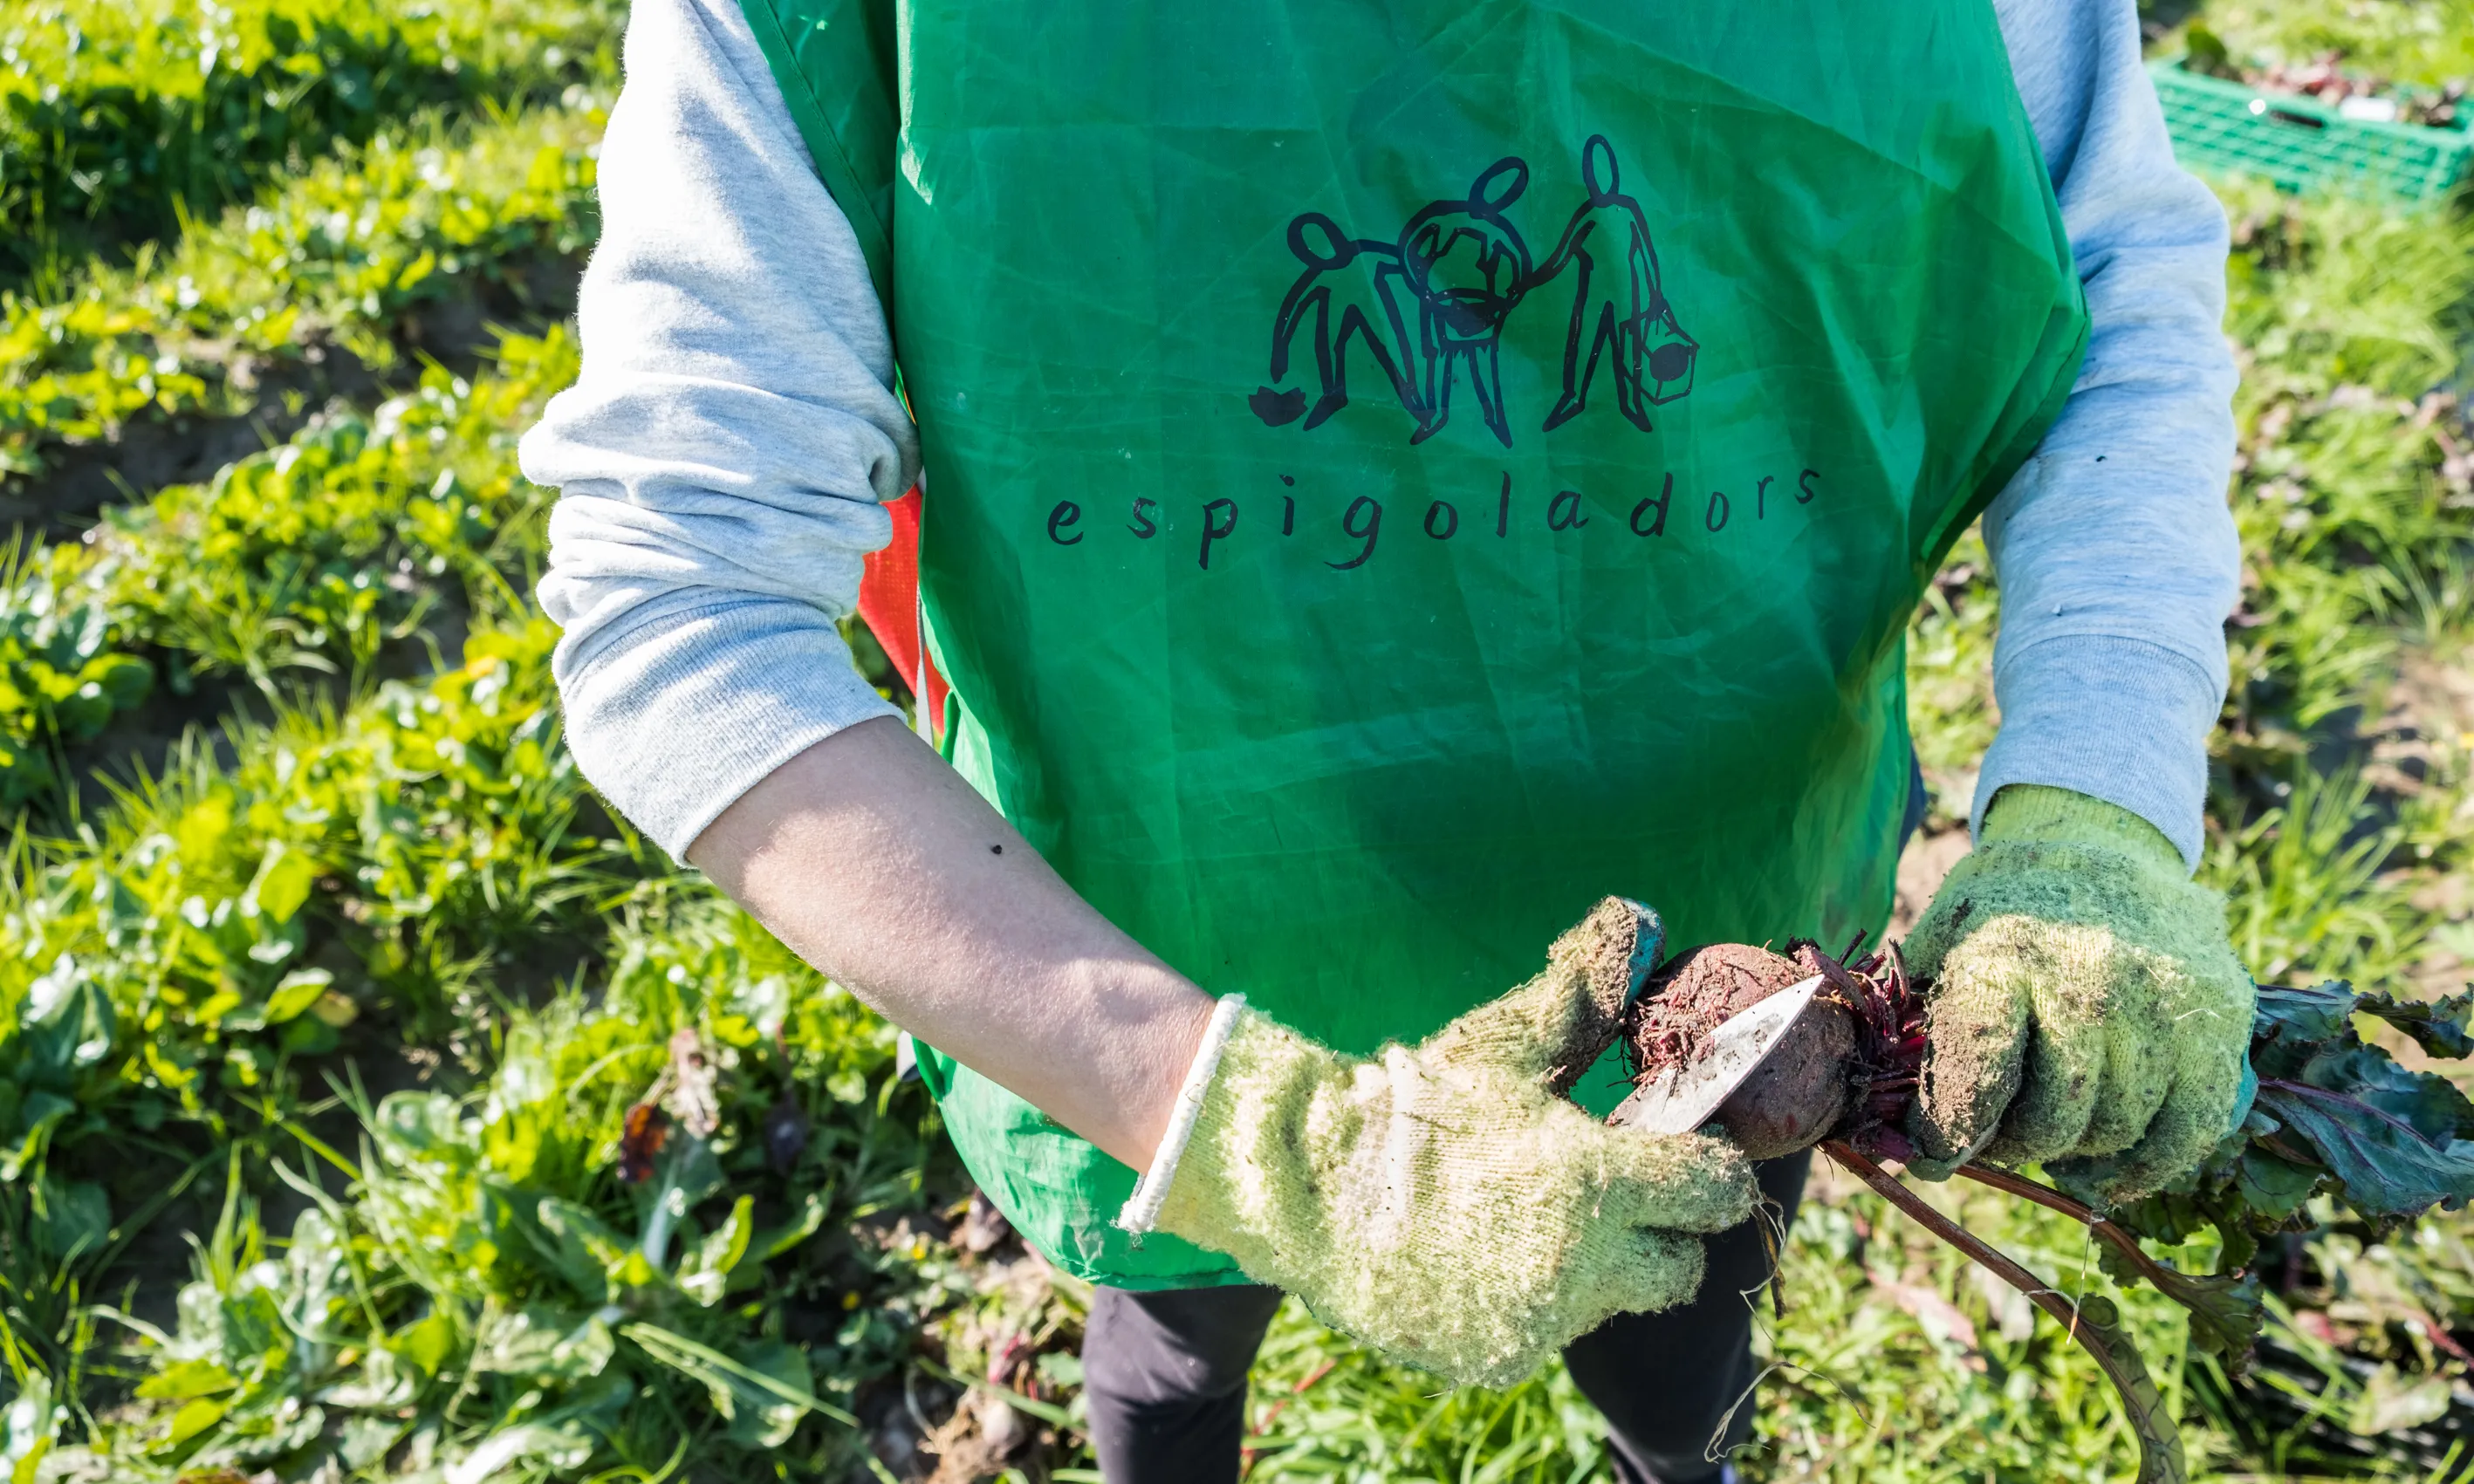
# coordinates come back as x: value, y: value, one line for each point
x: 696, y: 710
x: 2116, y: 719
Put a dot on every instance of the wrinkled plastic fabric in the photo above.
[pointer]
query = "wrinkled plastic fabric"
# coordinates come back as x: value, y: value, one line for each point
x: 1405, y: 471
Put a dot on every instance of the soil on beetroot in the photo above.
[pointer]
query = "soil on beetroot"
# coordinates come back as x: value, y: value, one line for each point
x: 1848, y: 1069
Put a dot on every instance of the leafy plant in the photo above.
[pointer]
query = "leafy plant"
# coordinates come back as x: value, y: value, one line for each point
x: 2334, y: 1116
x: 488, y: 1296
x: 223, y: 921
x: 2323, y: 1115
x: 310, y: 557
x: 334, y: 259
x: 315, y: 554
x: 119, y: 119
x: 64, y: 670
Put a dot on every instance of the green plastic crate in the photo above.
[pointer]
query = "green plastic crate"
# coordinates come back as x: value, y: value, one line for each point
x: 2303, y: 144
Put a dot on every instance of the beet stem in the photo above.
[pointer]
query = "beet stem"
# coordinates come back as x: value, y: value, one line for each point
x: 2092, y: 1323
x: 2162, y: 1275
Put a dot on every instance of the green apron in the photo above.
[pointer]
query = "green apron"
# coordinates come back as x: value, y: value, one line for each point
x: 1400, y: 470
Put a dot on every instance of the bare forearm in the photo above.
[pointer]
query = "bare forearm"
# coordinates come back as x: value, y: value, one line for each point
x: 879, y: 865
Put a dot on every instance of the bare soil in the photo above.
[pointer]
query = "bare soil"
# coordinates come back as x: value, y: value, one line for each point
x: 1928, y: 859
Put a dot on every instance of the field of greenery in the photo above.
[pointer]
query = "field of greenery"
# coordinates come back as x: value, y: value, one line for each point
x: 328, y: 987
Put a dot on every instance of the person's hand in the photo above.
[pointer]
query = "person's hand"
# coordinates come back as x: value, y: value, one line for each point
x: 2086, y: 1006
x: 1445, y: 1204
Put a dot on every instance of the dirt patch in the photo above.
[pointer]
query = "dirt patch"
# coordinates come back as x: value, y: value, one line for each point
x: 140, y: 741
x: 1928, y: 860
x: 2430, y: 715
x: 2424, y: 739
x: 148, y: 453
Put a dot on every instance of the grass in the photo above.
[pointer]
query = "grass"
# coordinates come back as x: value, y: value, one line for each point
x: 120, y: 121
x: 319, y: 1033
x: 360, y: 533
x: 479, y: 1289
x: 337, y: 258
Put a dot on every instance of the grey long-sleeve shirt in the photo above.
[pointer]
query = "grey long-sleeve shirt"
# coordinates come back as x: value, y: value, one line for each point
x: 723, y: 460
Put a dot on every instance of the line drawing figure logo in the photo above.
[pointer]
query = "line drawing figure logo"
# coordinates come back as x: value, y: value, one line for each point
x: 1428, y: 308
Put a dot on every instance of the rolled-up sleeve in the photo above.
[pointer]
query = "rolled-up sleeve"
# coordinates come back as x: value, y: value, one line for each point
x: 724, y: 460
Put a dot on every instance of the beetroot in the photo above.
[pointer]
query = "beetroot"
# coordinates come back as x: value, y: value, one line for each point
x: 1846, y: 1069
x: 1798, y: 1095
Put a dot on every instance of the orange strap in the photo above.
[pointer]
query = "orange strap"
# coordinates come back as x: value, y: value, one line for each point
x: 888, y: 604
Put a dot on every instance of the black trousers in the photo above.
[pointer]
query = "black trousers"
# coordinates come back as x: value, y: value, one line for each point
x: 1164, y: 1373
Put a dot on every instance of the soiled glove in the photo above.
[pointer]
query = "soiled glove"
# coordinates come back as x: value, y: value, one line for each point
x: 1445, y: 1204
x: 2086, y: 1005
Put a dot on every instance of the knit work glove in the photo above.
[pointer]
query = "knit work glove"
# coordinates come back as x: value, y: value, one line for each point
x: 2086, y: 1005
x: 1445, y: 1204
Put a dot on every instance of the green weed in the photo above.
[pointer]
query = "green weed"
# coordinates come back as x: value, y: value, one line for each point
x: 64, y: 670
x: 174, y: 960
x: 486, y: 1294
x: 335, y: 258
x: 310, y: 557
x: 117, y: 120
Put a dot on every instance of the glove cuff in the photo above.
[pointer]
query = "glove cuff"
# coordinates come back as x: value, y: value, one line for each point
x: 2031, y: 812
x: 1142, y: 1213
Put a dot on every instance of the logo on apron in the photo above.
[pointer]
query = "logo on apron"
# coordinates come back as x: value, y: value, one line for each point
x: 1428, y: 308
